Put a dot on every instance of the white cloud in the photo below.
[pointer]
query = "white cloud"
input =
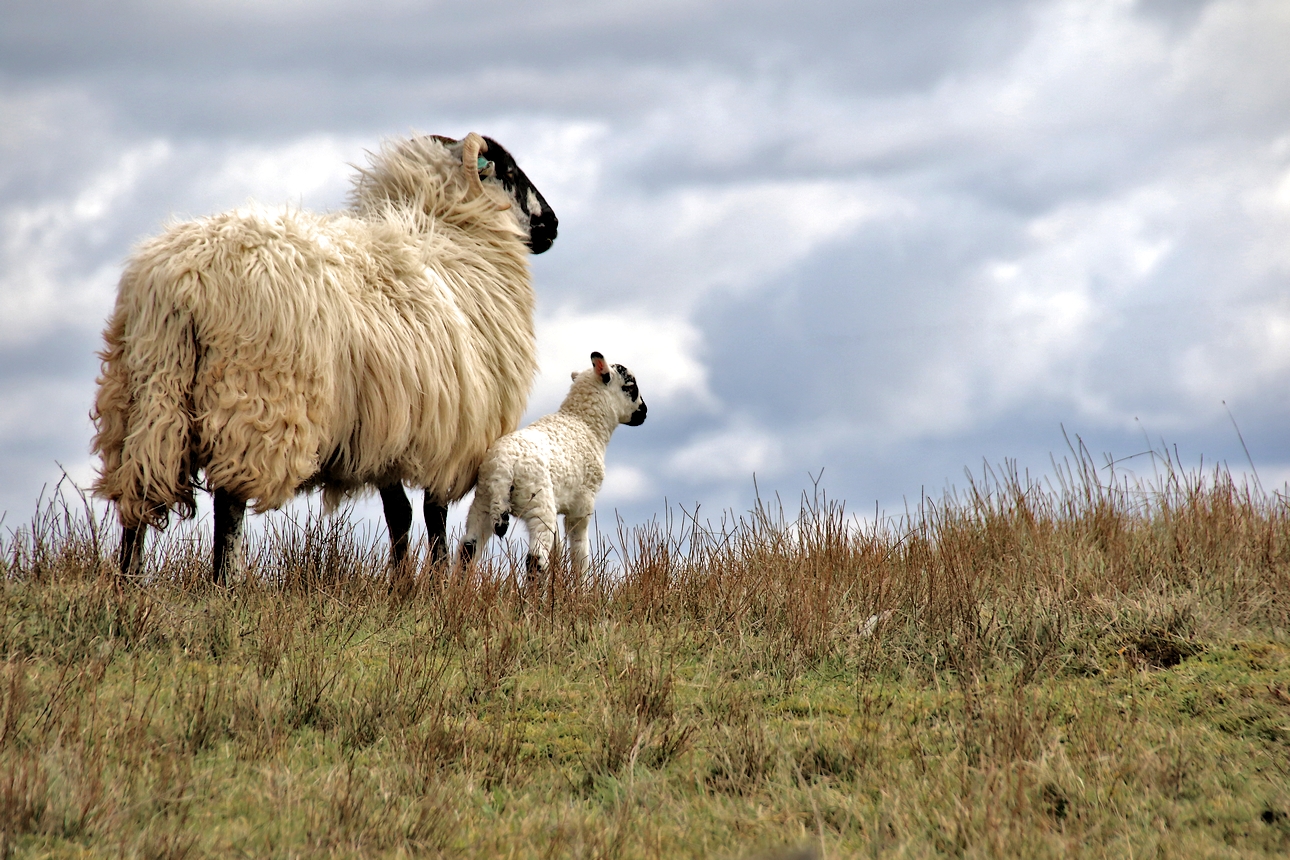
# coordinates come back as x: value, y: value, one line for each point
x: 42, y: 414
x: 1250, y: 359
x: 1104, y: 202
x: 41, y: 287
x: 565, y: 160
x: 672, y: 252
x: 311, y: 171
x: 31, y: 411
x: 739, y: 237
x: 58, y: 266
x: 1054, y: 303
x: 736, y: 453
x: 1232, y: 62
x: 663, y: 354
x: 624, y: 484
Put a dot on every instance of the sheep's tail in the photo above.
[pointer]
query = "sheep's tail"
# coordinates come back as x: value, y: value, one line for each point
x: 143, y: 412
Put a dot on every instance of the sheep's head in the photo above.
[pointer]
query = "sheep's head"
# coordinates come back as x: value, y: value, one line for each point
x: 620, y: 389
x: 409, y: 173
x: 486, y: 160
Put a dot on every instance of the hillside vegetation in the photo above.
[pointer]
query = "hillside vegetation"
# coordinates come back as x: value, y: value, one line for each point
x: 1093, y: 668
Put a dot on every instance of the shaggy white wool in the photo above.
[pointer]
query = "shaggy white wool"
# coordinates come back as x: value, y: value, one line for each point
x: 279, y: 350
x: 555, y: 466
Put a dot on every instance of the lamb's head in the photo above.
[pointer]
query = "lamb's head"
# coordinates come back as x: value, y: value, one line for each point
x: 615, y: 386
x: 496, y: 166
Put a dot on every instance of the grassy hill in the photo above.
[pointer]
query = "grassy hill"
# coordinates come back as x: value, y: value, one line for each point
x: 1095, y: 668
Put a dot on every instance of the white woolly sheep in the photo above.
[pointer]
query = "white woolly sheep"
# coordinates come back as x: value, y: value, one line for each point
x: 277, y: 351
x: 554, y: 466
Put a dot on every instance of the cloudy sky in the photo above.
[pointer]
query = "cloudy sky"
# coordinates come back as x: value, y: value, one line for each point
x: 883, y: 239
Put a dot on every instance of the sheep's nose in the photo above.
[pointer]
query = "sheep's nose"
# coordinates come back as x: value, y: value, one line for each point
x: 542, y: 231
x: 638, y: 417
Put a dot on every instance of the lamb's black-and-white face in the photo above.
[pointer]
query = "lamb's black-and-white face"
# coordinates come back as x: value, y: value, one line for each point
x: 634, y: 406
x: 622, y: 389
x: 500, y: 167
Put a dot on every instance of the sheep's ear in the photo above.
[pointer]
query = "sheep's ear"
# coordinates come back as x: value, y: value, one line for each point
x: 598, y: 364
x: 471, y: 146
x: 574, y: 375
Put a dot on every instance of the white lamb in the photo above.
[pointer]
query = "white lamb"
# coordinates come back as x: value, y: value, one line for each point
x: 554, y: 466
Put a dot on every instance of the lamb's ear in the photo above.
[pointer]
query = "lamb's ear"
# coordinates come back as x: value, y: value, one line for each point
x: 598, y: 364
x: 574, y: 376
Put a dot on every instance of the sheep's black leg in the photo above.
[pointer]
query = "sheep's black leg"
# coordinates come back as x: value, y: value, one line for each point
x: 132, y: 549
x: 436, y: 529
x: 230, y: 511
x: 398, y: 518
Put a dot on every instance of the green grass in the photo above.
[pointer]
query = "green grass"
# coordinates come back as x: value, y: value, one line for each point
x: 1091, y: 670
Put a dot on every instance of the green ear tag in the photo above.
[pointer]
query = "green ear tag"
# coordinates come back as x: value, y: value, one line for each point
x: 481, y: 162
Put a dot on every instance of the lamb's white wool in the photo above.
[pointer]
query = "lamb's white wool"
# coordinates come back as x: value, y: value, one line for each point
x: 555, y: 466
x: 278, y: 350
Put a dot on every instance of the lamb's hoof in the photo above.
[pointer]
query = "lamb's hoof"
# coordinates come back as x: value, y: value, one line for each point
x: 503, y: 523
x: 535, y: 576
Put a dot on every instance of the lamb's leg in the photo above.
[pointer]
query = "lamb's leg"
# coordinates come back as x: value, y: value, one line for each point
x: 230, y: 511
x: 542, y: 535
x: 132, y: 549
x: 579, y: 545
x: 436, y: 528
x: 398, y: 519
x: 478, y: 528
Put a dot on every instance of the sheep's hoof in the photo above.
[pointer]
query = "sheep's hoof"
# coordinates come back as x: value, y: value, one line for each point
x: 503, y: 523
x: 402, y: 579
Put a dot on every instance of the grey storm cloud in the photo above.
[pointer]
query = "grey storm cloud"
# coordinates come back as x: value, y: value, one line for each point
x: 882, y: 239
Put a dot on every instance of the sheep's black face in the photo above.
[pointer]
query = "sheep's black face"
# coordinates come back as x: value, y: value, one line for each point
x: 543, y: 224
